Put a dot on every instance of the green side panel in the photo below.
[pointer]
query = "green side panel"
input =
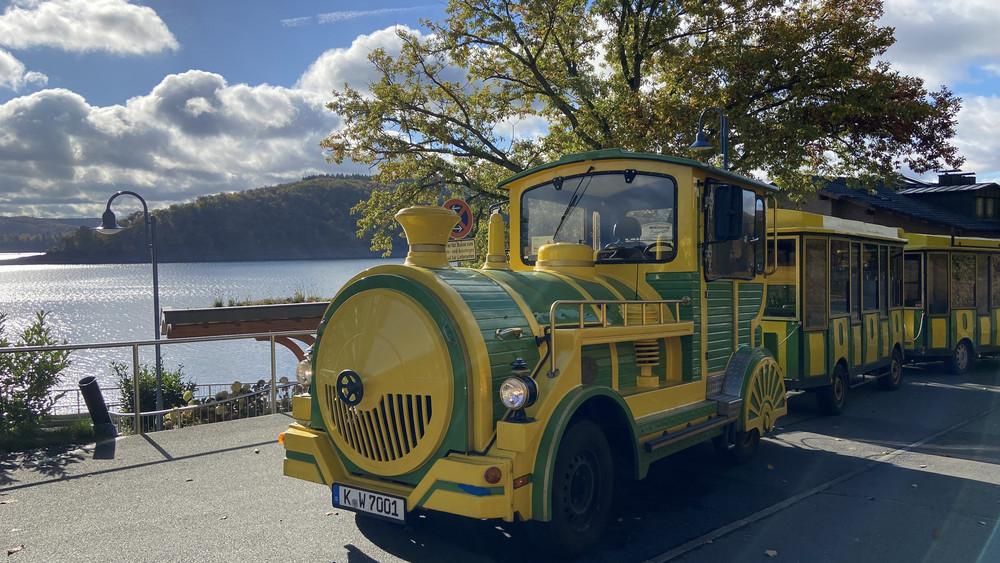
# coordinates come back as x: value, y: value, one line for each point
x: 751, y: 295
x: 601, y: 354
x: 539, y: 290
x: 678, y: 286
x: 720, y: 316
x: 494, y: 309
x: 628, y: 371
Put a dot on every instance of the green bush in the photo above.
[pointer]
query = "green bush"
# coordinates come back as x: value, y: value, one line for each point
x: 174, y: 387
x: 26, y: 378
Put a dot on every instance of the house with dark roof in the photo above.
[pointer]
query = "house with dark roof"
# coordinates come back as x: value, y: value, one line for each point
x: 955, y: 205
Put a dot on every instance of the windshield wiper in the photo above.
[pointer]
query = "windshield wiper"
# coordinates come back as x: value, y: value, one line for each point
x: 575, y: 199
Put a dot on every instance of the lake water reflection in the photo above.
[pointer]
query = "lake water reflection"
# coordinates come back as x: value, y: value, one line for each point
x: 114, y: 303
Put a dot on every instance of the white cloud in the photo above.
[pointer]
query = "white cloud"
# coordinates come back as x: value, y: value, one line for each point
x: 113, y: 26
x: 193, y: 134
x: 14, y: 76
x: 976, y: 136
x: 337, y: 67
x: 943, y: 41
x: 346, y: 15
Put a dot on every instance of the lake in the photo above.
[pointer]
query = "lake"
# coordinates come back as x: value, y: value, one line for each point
x: 114, y: 303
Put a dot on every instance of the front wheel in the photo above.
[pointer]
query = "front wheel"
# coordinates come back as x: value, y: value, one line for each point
x: 582, y: 490
x: 961, y: 358
x: 832, y: 399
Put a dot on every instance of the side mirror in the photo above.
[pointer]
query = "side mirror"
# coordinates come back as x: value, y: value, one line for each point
x: 727, y: 218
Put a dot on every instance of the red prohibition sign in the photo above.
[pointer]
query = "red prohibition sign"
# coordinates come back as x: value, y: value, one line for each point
x: 464, y: 225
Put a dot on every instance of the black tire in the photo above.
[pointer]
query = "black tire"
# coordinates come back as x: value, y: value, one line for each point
x: 832, y: 399
x: 894, y: 377
x: 582, y: 491
x: 742, y: 451
x: 961, y: 359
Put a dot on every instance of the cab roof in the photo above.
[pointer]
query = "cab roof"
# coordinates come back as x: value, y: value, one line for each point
x: 619, y: 154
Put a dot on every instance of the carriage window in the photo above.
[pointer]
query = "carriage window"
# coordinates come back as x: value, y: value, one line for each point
x: 856, y: 281
x: 982, y: 285
x: 624, y: 216
x: 815, y: 276
x: 883, y: 279
x: 895, y: 277
x: 995, y: 281
x: 782, y: 292
x: 937, y: 284
x: 840, y: 277
x: 869, y: 277
x: 963, y: 281
x: 913, y: 277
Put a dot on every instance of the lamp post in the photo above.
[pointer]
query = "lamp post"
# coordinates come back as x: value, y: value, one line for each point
x: 700, y: 143
x: 109, y: 225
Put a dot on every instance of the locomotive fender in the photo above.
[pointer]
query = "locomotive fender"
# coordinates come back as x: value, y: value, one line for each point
x: 571, y: 408
x: 753, y: 375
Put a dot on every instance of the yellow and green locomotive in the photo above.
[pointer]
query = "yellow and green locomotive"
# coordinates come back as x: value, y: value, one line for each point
x: 952, y: 298
x: 834, y: 312
x: 623, y: 325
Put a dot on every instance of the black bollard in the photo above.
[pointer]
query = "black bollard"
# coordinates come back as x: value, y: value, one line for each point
x: 103, y: 428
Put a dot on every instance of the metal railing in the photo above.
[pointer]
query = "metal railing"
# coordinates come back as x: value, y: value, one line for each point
x: 629, y: 314
x: 270, y: 390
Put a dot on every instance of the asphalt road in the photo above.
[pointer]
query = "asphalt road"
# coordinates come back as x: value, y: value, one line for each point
x: 909, y: 475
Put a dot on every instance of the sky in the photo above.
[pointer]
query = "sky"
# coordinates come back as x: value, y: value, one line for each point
x: 175, y: 99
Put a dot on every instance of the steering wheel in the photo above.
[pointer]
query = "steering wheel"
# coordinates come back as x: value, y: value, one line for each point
x: 651, y: 250
x: 610, y: 251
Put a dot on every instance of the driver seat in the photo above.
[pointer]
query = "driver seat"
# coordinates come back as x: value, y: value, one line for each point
x: 627, y: 228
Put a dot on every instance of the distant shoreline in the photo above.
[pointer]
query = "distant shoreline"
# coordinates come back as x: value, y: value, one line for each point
x: 48, y: 258
x: 5, y: 256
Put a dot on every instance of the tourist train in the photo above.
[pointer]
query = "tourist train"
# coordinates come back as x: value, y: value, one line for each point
x: 646, y: 304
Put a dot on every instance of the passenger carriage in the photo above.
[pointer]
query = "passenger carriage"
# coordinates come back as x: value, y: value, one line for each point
x: 952, y: 299
x: 834, y: 312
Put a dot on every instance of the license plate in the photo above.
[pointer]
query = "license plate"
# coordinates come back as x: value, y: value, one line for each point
x: 359, y: 500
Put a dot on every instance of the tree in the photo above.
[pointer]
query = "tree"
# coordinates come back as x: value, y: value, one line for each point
x: 799, y: 81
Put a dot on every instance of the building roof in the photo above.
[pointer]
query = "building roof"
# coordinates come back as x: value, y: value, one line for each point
x: 884, y: 198
x: 921, y: 188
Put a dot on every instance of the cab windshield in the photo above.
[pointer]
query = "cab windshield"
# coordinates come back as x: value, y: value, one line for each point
x: 624, y: 216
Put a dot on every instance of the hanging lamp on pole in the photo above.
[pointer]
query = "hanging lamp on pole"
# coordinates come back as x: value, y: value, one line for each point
x: 109, y: 225
x: 701, y: 143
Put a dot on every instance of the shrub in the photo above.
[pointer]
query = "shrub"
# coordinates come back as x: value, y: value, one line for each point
x: 27, y: 377
x: 174, y: 387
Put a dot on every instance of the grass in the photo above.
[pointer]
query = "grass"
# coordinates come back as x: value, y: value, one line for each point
x: 78, y: 432
x: 299, y: 297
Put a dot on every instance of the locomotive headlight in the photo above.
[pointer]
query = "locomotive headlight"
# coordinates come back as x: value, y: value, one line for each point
x: 304, y: 373
x: 518, y: 392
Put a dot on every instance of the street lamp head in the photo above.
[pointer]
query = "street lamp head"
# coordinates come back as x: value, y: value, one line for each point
x: 700, y: 143
x: 109, y: 224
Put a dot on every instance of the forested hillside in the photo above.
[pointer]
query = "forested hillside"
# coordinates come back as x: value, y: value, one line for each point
x: 308, y: 219
x: 29, y: 234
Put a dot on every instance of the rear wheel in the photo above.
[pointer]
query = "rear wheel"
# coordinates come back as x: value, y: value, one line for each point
x: 741, y: 451
x: 832, y: 399
x: 894, y: 378
x: 582, y: 490
x: 961, y: 358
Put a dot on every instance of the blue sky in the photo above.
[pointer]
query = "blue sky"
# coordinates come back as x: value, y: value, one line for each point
x: 179, y: 98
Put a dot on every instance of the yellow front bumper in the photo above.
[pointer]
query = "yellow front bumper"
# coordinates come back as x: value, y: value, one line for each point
x: 455, y: 483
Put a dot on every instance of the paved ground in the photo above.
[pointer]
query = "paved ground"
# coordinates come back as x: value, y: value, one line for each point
x: 910, y: 475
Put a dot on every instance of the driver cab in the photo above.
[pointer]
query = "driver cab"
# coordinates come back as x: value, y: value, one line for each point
x: 625, y: 216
